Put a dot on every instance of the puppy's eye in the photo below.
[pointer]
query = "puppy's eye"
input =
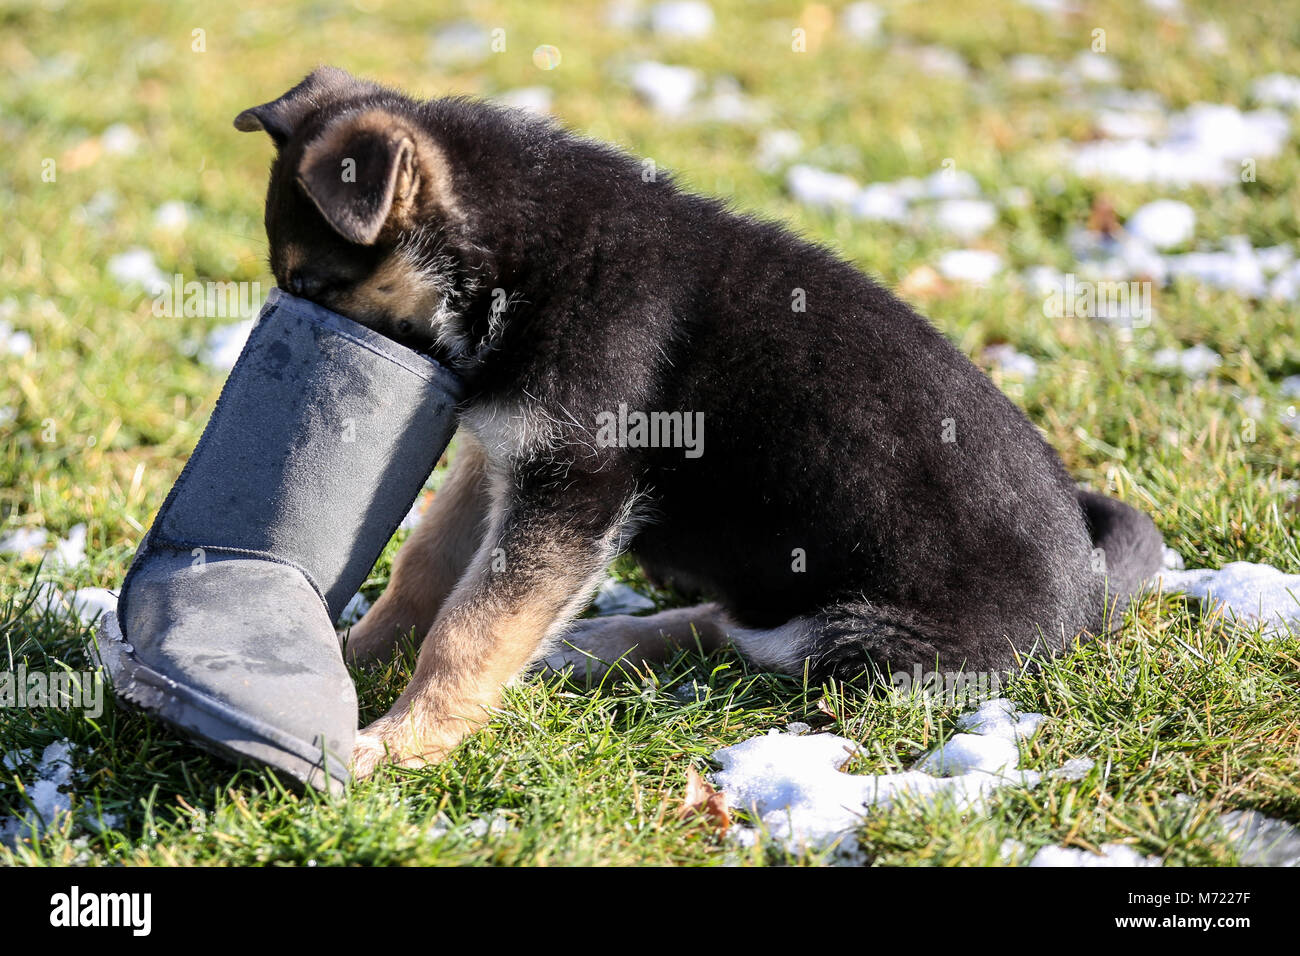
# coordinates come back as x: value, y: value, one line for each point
x: 405, y: 327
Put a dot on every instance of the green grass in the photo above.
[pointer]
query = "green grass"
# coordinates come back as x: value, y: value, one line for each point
x: 594, y: 776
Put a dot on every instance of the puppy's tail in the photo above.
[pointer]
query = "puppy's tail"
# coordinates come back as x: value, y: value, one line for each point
x: 1129, y: 542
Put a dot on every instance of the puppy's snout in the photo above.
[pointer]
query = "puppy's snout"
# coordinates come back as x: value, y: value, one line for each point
x: 303, y: 285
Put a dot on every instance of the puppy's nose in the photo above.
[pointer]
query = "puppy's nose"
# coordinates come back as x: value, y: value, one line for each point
x: 304, y: 285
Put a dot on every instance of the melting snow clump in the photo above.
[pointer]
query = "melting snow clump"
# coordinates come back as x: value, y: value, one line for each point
x: 793, y: 782
x: 970, y: 265
x: 48, y: 801
x: 1196, y: 362
x: 223, y: 344
x: 1163, y: 223
x: 1112, y: 854
x: 1012, y: 363
x: 1249, y: 593
x: 682, y: 19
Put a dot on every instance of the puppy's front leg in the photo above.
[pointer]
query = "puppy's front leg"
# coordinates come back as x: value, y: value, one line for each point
x: 536, y: 569
x: 432, y: 560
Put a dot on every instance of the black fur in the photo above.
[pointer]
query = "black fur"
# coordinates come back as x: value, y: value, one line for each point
x: 823, y: 429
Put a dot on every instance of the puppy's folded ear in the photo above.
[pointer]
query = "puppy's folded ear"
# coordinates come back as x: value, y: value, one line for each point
x: 281, y: 117
x: 363, y: 171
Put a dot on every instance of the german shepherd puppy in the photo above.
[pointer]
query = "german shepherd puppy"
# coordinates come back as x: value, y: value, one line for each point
x: 648, y: 371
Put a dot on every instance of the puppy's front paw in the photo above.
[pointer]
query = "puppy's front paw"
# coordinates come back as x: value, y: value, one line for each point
x: 367, y: 753
x: 395, y: 742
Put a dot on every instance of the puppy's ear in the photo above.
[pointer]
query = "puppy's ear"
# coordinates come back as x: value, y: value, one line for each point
x: 281, y: 117
x: 362, y: 171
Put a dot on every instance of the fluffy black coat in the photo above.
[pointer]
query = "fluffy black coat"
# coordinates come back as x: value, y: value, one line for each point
x: 857, y: 470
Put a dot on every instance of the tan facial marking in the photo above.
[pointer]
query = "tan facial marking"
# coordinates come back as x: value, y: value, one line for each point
x: 292, y: 257
x: 395, y: 291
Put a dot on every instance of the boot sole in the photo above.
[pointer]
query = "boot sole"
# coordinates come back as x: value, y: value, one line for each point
x: 213, y: 725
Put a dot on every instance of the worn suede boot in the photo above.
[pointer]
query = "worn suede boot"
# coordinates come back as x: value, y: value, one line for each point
x: 321, y: 439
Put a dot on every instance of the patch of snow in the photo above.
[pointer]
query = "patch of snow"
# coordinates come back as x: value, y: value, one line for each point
x: 1163, y: 223
x: 1235, y: 269
x: 1277, y: 89
x: 666, y: 89
x: 356, y: 609
x: 223, y: 345
x: 690, y: 693
x: 1095, y: 68
x: 1111, y: 855
x: 14, y: 759
x: 70, y: 552
x: 1172, y: 8
x: 1010, y: 362
x: 970, y: 265
x: 1226, y: 131
x: 88, y: 604
x: 1124, y: 124
x: 820, y: 188
x: 1260, y: 840
x: 951, y: 184
x: 776, y: 148
x: 1248, y: 593
x: 489, y: 826
x: 940, y: 61
x: 1286, y: 284
x: 172, y: 215
x: 862, y: 20
x: 530, y: 99
x: 1017, y: 197
x: 1043, y: 280
x: 1076, y: 768
x: 728, y: 103
x: 45, y: 793
x: 1031, y: 68
x: 1274, y: 259
x: 23, y: 540
x: 1290, y: 417
x: 881, y: 202
x: 999, y: 718
x: 971, y: 753
x: 681, y: 19
x: 460, y: 44
x: 964, y: 218
x: 14, y: 343
x: 1204, y: 145
x: 119, y: 140
x: 136, y: 266
x: 623, y: 14
x: 413, y: 516
x: 1210, y: 37
x: 1059, y: 8
x: 99, y: 208
x: 793, y: 782
x: 1196, y: 362
x: 1104, y: 257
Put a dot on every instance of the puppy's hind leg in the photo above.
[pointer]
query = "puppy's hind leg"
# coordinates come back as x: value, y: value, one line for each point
x: 432, y: 560
x: 851, y: 641
x: 591, y: 647
x: 842, y: 644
